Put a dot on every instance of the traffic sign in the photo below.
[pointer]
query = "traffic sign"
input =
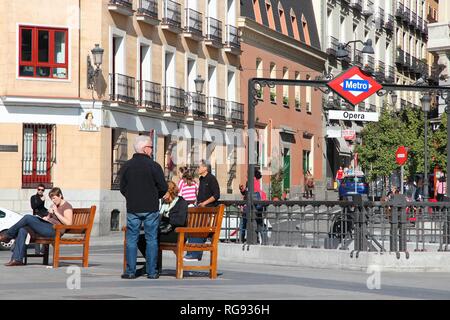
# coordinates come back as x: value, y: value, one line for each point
x: 354, y: 85
x: 401, y: 155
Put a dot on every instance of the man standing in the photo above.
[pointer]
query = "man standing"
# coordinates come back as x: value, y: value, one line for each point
x: 208, y: 196
x: 142, y: 183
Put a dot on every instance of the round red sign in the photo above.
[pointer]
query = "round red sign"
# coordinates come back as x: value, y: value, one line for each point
x: 401, y: 156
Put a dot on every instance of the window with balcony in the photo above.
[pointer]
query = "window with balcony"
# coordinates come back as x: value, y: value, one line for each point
x: 43, y: 52
x: 119, y: 150
x: 39, y: 146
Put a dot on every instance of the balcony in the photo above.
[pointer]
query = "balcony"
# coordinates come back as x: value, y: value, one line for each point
x: 148, y: 12
x: 407, y: 60
x: 197, y: 105
x: 370, y: 107
x: 232, y: 41
x: 399, y: 10
x: 368, y: 8
x: 379, y: 19
x: 400, y: 57
x: 419, y: 24
x: 122, y: 88
x: 424, y: 69
x: 194, y: 25
x: 389, y: 24
x: 356, y: 4
x: 380, y: 70
x: 390, y: 74
x: 124, y: 7
x: 171, y: 20
x: 369, y: 64
x: 216, y: 109
x: 414, y: 65
x: 358, y: 59
x: 235, y: 113
x: 413, y: 20
x: 332, y: 46
x: 213, y: 33
x: 425, y: 28
x: 149, y: 94
x: 406, y: 15
x: 174, y: 100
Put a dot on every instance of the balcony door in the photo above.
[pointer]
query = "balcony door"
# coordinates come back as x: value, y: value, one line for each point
x: 231, y: 12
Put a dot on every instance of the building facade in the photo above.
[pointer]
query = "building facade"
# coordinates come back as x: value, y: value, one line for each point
x: 280, y: 40
x: 60, y: 129
x: 398, y: 32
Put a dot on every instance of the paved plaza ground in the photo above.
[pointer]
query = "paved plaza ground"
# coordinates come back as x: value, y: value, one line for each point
x: 236, y: 281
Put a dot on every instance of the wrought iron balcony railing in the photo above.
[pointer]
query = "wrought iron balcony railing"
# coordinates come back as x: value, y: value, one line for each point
x: 379, y: 19
x: 124, y: 7
x: 390, y: 74
x: 400, y: 57
x: 356, y: 4
x: 368, y: 8
x: 235, y: 112
x: 197, y: 105
x: 232, y: 37
x: 216, y: 109
x: 122, y: 88
x: 358, y: 58
x: 174, y: 100
x: 369, y: 64
x: 380, y: 71
x: 214, y: 30
x: 172, y: 14
x: 406, y: 15
x: 149, y: 94
x: 389, y: 23
x: 148, y: 8
x: 332, y: 46
x: 399, y: 10
x: 194, y: 23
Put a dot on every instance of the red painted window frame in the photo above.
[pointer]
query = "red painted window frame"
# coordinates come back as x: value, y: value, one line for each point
x: 35, y: 50
x: 34, y: 179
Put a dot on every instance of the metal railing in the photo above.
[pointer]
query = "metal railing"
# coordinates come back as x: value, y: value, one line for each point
x: 380, y: 70
x: 402, y: 104
x: 406, y: 15
x: 332, y: 46
x: 413, y: 20
x: 368, y: 8
x: 424, y: 68
x: 419, y: 24
x: 149, y: 94
x: 389, y: 24
x: 356, y: 4
x: 388, y: 226
x: 214, y: 30
x: 172, y: 14
x: 400, y: 57
x: 148, y: 8
x: 407, y: 60
x: 369, y: 64
x: 122, y: 88
x: 235, y: 112
x: 379, y: 18
x: 125, y: 3
x: 390, y: 74
x: 194, y: 22
x: 174, y: 100
x: 399, y: 10
x: 232, y: 37
x: 197, y: 105
x: 216, y: 109
x: 358, y: 59
x: 425, y: 28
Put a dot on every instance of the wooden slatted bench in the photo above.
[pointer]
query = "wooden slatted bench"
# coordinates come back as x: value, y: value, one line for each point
x: 83, y: 220
x: 202, y: 223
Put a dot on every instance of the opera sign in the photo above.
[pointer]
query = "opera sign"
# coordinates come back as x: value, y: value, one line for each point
x: 354, y: 85
x: 353, y: 116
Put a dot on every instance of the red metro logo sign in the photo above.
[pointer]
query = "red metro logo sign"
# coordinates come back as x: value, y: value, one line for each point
x: 354, y: 86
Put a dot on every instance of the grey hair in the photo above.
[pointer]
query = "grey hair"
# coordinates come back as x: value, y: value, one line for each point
x: 140, y: 142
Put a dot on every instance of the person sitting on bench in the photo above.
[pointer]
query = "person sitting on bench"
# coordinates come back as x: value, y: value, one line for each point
x: 59, y: 213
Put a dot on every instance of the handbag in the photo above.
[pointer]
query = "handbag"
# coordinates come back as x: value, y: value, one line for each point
x: 165, y: 227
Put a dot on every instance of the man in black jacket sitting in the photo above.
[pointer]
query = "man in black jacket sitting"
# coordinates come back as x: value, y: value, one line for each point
x: 142, y: 183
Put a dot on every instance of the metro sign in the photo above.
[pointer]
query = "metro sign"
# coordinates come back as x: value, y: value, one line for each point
x: 354, y: 86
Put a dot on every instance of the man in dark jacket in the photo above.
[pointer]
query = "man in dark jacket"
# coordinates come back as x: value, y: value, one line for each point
x: 142, y: 183
x: 37, y: 202
x: 208, y: 196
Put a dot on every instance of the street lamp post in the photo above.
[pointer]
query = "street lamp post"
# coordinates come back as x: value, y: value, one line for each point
x: 199, y: 84
x: 426, y: 101
x: 342, y: 53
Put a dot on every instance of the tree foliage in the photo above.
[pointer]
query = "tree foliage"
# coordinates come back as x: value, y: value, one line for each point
x: 381, y: 139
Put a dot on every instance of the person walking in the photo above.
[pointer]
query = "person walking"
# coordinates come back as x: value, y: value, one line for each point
x: 339, y: 176
x: 59, y: 213
x: 142, y: 183
x: 208, y: 196
x: 441, y: 187
x: 309, y: 185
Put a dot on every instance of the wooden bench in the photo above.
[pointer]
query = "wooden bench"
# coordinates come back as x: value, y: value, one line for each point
x: 83, y: 220
x: 202, y: 223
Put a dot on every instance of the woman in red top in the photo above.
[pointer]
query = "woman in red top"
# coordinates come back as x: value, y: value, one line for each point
x: 339, y: 176
x: 59, y: 213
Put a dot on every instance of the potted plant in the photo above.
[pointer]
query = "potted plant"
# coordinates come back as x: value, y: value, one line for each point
x: 285, y: 100
x: 259, y: 93
x: 273, y: 96
x: 297, y: 103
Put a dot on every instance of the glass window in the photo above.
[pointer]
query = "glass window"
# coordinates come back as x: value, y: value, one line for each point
x: 26, y: 44
x: 60, y: 47
x: 43, y: 44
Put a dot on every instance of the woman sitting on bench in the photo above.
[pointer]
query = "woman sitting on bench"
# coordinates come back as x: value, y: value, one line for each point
x: 173, y: 211
x: 59, y: 213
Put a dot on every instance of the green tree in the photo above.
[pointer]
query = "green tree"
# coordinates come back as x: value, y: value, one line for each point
x: 276, y: 184
x: 439, y: 145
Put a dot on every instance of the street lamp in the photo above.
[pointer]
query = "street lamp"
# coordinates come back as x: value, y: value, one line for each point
x: 199, y: 84
x: 426, y: 101
x: 97, y: 56
x: 342, y: 53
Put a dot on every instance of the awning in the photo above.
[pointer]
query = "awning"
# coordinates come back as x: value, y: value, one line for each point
x: 343, y: 147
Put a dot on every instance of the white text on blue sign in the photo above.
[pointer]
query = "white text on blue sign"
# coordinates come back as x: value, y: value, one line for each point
x: 356, y: 85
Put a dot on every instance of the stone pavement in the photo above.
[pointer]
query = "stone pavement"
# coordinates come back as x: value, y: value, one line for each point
x: 236, y: 281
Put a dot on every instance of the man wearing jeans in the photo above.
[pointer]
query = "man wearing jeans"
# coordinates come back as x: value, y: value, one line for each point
x: 142, y: 183
x: 208, y: 196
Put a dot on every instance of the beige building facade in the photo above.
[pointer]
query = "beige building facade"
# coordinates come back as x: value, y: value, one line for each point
x: 58, y: 129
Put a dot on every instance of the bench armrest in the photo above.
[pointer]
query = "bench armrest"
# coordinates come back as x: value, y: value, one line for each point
x: 194, y: 230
